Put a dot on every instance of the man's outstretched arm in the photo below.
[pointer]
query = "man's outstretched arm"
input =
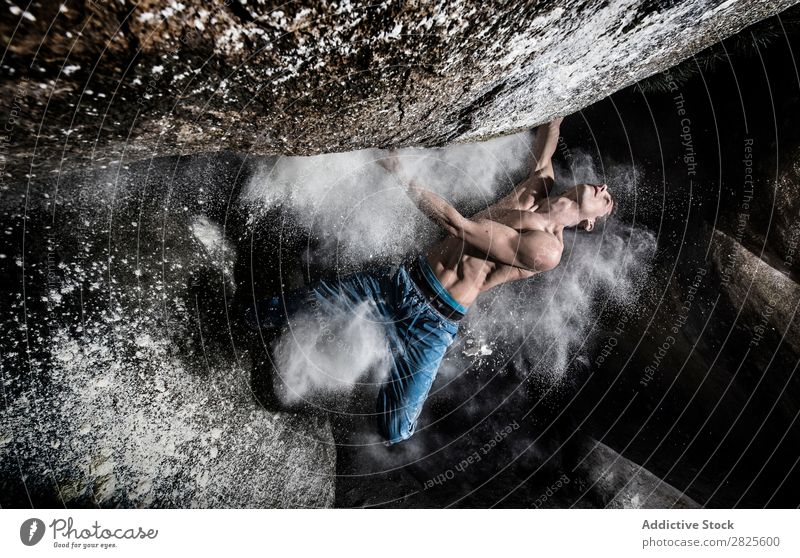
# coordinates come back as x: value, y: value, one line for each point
x: 544, y: 147
x: 531, y: 250
x: 540, y: 178
x: 524, y: 195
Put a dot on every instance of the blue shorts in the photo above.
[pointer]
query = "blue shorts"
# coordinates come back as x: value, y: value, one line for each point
x: 417, y: 333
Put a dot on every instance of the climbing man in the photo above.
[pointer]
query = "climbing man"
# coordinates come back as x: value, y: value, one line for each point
x: 421, y: 303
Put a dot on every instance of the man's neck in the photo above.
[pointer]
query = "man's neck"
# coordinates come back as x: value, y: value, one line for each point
x: 563, y: 211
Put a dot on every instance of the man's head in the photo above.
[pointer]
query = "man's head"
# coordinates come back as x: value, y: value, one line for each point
x: 594, y: 202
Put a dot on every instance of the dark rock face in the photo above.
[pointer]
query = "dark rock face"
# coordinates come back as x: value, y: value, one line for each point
x: 95, y: 82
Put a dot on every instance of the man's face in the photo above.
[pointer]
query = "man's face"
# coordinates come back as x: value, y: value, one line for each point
x: 594, y: 200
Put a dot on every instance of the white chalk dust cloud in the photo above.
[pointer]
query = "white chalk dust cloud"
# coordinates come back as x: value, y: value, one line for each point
x: 360, y: 214
x: 327, y: 353
x: 541, y: 324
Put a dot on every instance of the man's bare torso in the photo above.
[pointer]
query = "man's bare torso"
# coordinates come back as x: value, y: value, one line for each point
x: 508, y: 241
x: 466, y: 272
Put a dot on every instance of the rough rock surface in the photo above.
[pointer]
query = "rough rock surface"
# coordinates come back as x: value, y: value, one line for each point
x: 786, y: 236
x: 588, y: 474
x: 617, y: 482
x: 764, y: 295
x: 93, y: 82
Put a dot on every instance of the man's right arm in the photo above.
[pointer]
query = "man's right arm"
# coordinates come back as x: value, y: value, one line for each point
x: 541, y: 176
x: 541, y: 160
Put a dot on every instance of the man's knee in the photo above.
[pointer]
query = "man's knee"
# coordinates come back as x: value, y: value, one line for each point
x: 397, y: 420
x: 394, y: 432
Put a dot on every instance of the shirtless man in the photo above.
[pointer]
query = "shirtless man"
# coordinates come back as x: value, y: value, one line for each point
x: 421, y: 303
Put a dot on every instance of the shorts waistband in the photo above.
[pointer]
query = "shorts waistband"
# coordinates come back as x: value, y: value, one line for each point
x: 421, y: 273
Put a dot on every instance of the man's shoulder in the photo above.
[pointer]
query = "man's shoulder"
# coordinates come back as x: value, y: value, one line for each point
x: 547, y: 244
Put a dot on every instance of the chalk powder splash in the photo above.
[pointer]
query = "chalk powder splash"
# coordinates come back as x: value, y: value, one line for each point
x: 115, y: 394
x: 361, y: 213
x: 327, y: 355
